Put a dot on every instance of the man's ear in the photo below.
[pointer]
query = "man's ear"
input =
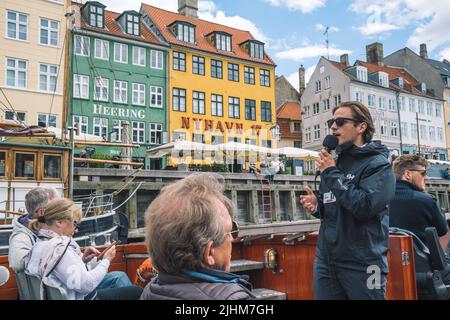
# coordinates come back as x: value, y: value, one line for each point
x: 39, y: 213
x: 208, y: 258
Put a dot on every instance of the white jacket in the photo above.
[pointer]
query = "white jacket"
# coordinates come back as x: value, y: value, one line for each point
x: 71, y: 274
x: 21, y: 241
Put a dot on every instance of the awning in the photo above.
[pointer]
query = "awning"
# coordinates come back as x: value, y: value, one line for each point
x: 298, y: 153
x: 167, y: 149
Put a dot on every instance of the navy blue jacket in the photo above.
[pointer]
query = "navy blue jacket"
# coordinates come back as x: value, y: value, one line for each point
x: 353, y: 203
x: 414, y: 210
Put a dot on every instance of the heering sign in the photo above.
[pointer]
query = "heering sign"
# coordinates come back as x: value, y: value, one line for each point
x: 118, y: 112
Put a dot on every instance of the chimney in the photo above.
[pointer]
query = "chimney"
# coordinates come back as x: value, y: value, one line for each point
x: 344, y: 59
x: 301, y: 77
x: 374, y: 53
x: 423, y: 51
x: 188, y: 8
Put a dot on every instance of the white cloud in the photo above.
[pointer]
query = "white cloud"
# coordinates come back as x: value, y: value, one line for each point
x: 320, y: 27
x: 294, y: 79
x: 300, y: 54
x: 371, y: 29
x: 445, y: 54
x: 305, y: 6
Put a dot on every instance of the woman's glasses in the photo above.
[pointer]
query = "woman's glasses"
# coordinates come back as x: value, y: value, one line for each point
x: 340, y: 121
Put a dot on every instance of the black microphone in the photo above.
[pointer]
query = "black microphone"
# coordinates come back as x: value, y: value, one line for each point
x: 330, y: 143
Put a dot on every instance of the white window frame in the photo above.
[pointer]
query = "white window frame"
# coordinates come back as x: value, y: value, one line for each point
x: 138, y: 94
x: 391, y: 106
x: 198, y: 102
x: 156, y: 59
x: 318, y: 86
x: 47, y: 119
x: 49, y: 75
x: 14, y: 114
x: 99, y: 83
x: 133, y: 22
x: 139, y: 128
x: 430, y: 109
x: 17, y: 70
x: 155, y: 128
x: 382, y: 103
x: 223, y: 42
x: 404, y: 127
x: 423, y: 132
x: 82, y: 43
x: 394, y: 129
x: 154, y: 91
x: 412, y: 105
x: 432, y: 133
x: 118, y: 129
x: 83, y: 82
x: 384, y: 124
x: 371, y: 98
x: 120, y: 53
x: 440, y: 134
x: 361, y: 73
x: 83, y: 122
x: 327, y: 82
x: 438, y: 108
x: 50, y: 31
x: 103, y: 53
x: 102, y: 125
x: 414, y: 131
x: 316, y: 132
x: 141, y: 53
x: 121, y: 91
x: 17, y: 23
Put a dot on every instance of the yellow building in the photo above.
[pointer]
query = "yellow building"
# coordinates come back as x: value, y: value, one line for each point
x: 221, y: 82
x: 32, y: 58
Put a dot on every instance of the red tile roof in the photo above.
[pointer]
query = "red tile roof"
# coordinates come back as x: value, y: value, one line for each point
x: 163, y: 19
x: 290, y: 110
x: 112, y: 27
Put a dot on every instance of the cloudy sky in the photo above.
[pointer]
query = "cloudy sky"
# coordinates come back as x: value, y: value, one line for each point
x: 293, y: 30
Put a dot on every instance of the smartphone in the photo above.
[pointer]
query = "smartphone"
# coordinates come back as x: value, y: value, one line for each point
x: 100, y: 256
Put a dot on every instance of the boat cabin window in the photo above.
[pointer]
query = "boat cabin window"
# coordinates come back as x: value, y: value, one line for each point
x: 2, y: 163
x: 52, y: 166
x: 25, y: 165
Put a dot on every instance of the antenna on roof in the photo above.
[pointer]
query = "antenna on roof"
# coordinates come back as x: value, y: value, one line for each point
x: 327, y: 41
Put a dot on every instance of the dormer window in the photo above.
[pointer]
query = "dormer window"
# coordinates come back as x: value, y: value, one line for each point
x: 256, y: 49
x: 423, y: 87
x: 361, y: 73
x: 96, y: 16
x: 400, y: 82
x: 223, y: 42
x: 133, y: 25
x: 185, y: 32
x: 383, y: 79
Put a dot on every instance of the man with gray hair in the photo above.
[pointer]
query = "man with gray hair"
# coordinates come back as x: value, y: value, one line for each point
x: 22, y: 238
x: 189, y: 237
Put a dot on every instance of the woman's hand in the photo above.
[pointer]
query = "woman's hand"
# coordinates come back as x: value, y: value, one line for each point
x: 110, y: 254
x: 89, y: 254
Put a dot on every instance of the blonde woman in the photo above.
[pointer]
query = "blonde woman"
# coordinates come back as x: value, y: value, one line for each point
x: 57, y: 259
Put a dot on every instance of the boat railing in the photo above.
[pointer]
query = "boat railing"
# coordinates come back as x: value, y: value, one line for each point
x: 95, y: 204
x: 6, y: 215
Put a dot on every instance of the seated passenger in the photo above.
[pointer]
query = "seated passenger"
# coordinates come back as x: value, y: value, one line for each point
x: 189, y: 236
x: 57, y: 259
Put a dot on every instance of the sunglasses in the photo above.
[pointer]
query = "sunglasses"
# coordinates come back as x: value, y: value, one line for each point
x: 422, y: 172
x: 234, y: 230
x: 76, y: 224
x: 340, y: 121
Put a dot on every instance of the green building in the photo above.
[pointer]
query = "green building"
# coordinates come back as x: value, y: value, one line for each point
x: 118, y: 75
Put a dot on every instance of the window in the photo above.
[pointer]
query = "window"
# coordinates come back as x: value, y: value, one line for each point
x: 2, y: 163
x: 198, y: 65
x: 438, y: 110
x: 337, y: 100
x: 371, y: 100
x: 308, y: 134
x: 178, y: 136
x: 440, y: 132
x: 249, y: 75
x: 383, y: 79
x: 120, y: 53
x: 156, y: 97
x: 423, y: 132
x: 116, y: 135
x: 24, y: 165
x: 360, y: 97
x: 46, y: 120
x: 15, y: 116
x: 327, y: 82
x: 391, y: 105
x: 264, y: 76
x: 101, y: 127
x: 318, y: 86
x: 297, y: 126
x: 216, y: 69
x: 96, y: 16
x: 133, y: 25
x: 432, y: 133
x: 233, y: 72
x: 316, y: 108
x: 138, y: 132
x: 223, y: 42
x: 266, y: 111
x: 156, y: 133
x: 17, y: 25
x: 186, y: 32
x: 404, y: 127
x: 49, y: 32
x: 326, y: 105
x: 412, y: 105
x: 384, y: 127
x: 120, y: 91
x: 402, y: 104
x: 421, y: 107
x: 81, y: 122
x: 101, y: 49
x: 200, y: 138
x: 216, y: 140
x: 394, y: 129
x: 316, y: 131
x: 361, y: 73
x: 250, y: 109
x: 382, y: 103
x: 257, y: 50
x: 16, y: 73
x: 101, y: 86
x: 216, y: 105
x: 139, y: 94
x: 139, y: 56
x: 82, y: 45
x: 52, y: 166
x: 198, y: 105
x: 307, y: 110
x: 156, y: 59
x: 48, y: 76
x: 326, y: 130
x: 297, y: 144
x: 179, y: 61
x: 413, y: 130
x: 81, y: 86
x: 429, y: 108
x: 179, y: 100
x: 234, y: 107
